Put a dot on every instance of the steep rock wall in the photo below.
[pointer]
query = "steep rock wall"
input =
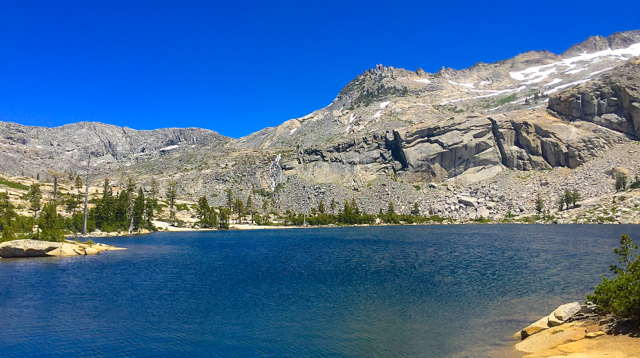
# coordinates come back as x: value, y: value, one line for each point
x: 612, y: 102
x: 465, y: 149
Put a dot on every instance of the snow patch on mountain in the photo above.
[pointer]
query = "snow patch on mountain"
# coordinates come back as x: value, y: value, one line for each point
x: 467, y: 85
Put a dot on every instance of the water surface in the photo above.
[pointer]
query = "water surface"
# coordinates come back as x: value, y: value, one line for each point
x: 426, y: 291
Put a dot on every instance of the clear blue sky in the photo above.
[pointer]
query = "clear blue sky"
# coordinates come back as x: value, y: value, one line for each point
x: 239, y: 66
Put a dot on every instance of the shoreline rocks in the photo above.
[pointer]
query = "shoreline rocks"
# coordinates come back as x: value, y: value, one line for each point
x: 556, y: 318
x: 36, y: 248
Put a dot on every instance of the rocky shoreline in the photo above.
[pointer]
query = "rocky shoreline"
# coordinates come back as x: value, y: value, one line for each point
x: 576, y: 330
x: 36, y: 248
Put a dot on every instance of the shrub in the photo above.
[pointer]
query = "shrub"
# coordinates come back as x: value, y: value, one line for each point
x: 621, y: 295
x: 621, y: 182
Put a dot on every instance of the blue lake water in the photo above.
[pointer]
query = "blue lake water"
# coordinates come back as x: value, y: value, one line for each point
x: 415, y: 291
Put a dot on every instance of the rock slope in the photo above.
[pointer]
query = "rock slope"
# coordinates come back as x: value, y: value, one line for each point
x: 32, y: 151
x: 453, y: 133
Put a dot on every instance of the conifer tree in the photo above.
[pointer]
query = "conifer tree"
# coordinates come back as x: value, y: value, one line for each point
x: 171, y: 193
x: 416, y: 209
x: 224, y: 219
x: 539, y: 204
x: 78, y: 184
x: 575, y: 197
x: 390, y: 209
x: 34, y: 196
x: 49, y: 224
x: 139, y: 209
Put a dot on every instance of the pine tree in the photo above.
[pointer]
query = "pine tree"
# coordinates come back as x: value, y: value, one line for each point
x: 238, y: 208
x: 49, y: 224
x: 354, y: 207
x: 321, y: 207
x: 224, y: 219
x: 78, y: 184
x: 71, y: 203
x: 560, y: 202
x: 568, y: 198
x: 150, y: 204
x: 139, y: 209
x: 106, y: 206
x: 203, y: 207
x: 575, y: 197
x: 390, y: 210
x: 416, y: 209
x: 34, y: 196
x: 230, y: 200
x: 249, y: 206
x: 621, y: 182
x: 171, y: 193
x: 539, y: 204
x: 7, y: 215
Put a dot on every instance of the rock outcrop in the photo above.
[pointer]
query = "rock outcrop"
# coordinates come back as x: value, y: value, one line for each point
x: 556, y: 318
x: 612, y: 102
x: 31, y: 151
x: 35, y: 248
x: 463, y: 149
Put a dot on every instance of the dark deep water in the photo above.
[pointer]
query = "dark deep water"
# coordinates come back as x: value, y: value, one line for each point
x: 427, y: 291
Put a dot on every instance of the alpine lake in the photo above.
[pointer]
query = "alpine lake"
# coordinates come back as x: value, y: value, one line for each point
x: 392, y: 291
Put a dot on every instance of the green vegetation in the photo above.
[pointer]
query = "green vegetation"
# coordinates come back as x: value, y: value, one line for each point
x: 263, y: 193
x: 182, y: 207
x: 118, y: 213
x: 33, y: 197
x: 539, y: 204
x: 13, y: 185
x: 507, y: 99
x: 207, y: 215
x: 569, y: 199
x: 621, y: 295
x: 621, y: 182
x: 49, y: 226
x: 636, y: 183
x: 352, y: 215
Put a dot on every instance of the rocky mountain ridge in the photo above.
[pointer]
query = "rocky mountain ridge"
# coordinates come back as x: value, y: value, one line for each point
x: 35, y: 151
x: 387, y: 131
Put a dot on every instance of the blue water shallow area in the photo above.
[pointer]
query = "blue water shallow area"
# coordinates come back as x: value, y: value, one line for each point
x: 413, y: 291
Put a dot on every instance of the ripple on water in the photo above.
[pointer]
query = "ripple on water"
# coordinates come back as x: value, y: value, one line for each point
x: 431, y: 291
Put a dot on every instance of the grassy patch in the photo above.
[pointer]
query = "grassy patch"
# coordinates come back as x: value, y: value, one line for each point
x: 507, y: 99
x: 13, y: 185
x: 182, y: 207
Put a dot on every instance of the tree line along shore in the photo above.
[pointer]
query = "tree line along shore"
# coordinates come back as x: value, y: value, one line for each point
x: 36, y: 210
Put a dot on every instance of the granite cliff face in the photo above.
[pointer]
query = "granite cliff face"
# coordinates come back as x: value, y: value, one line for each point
x: 613, y: 101
x: 387, y: 131
x: 35, y: 151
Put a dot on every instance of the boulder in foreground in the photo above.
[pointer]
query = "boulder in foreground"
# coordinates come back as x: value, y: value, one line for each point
x: 556, y: 318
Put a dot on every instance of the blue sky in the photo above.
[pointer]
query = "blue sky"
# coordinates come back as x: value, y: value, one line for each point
x: 239, y: 66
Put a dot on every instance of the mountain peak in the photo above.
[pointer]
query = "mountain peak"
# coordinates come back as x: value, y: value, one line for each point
x: 598, y: 43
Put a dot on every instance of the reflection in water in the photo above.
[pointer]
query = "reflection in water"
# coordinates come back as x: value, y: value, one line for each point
x: 430, y: 291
